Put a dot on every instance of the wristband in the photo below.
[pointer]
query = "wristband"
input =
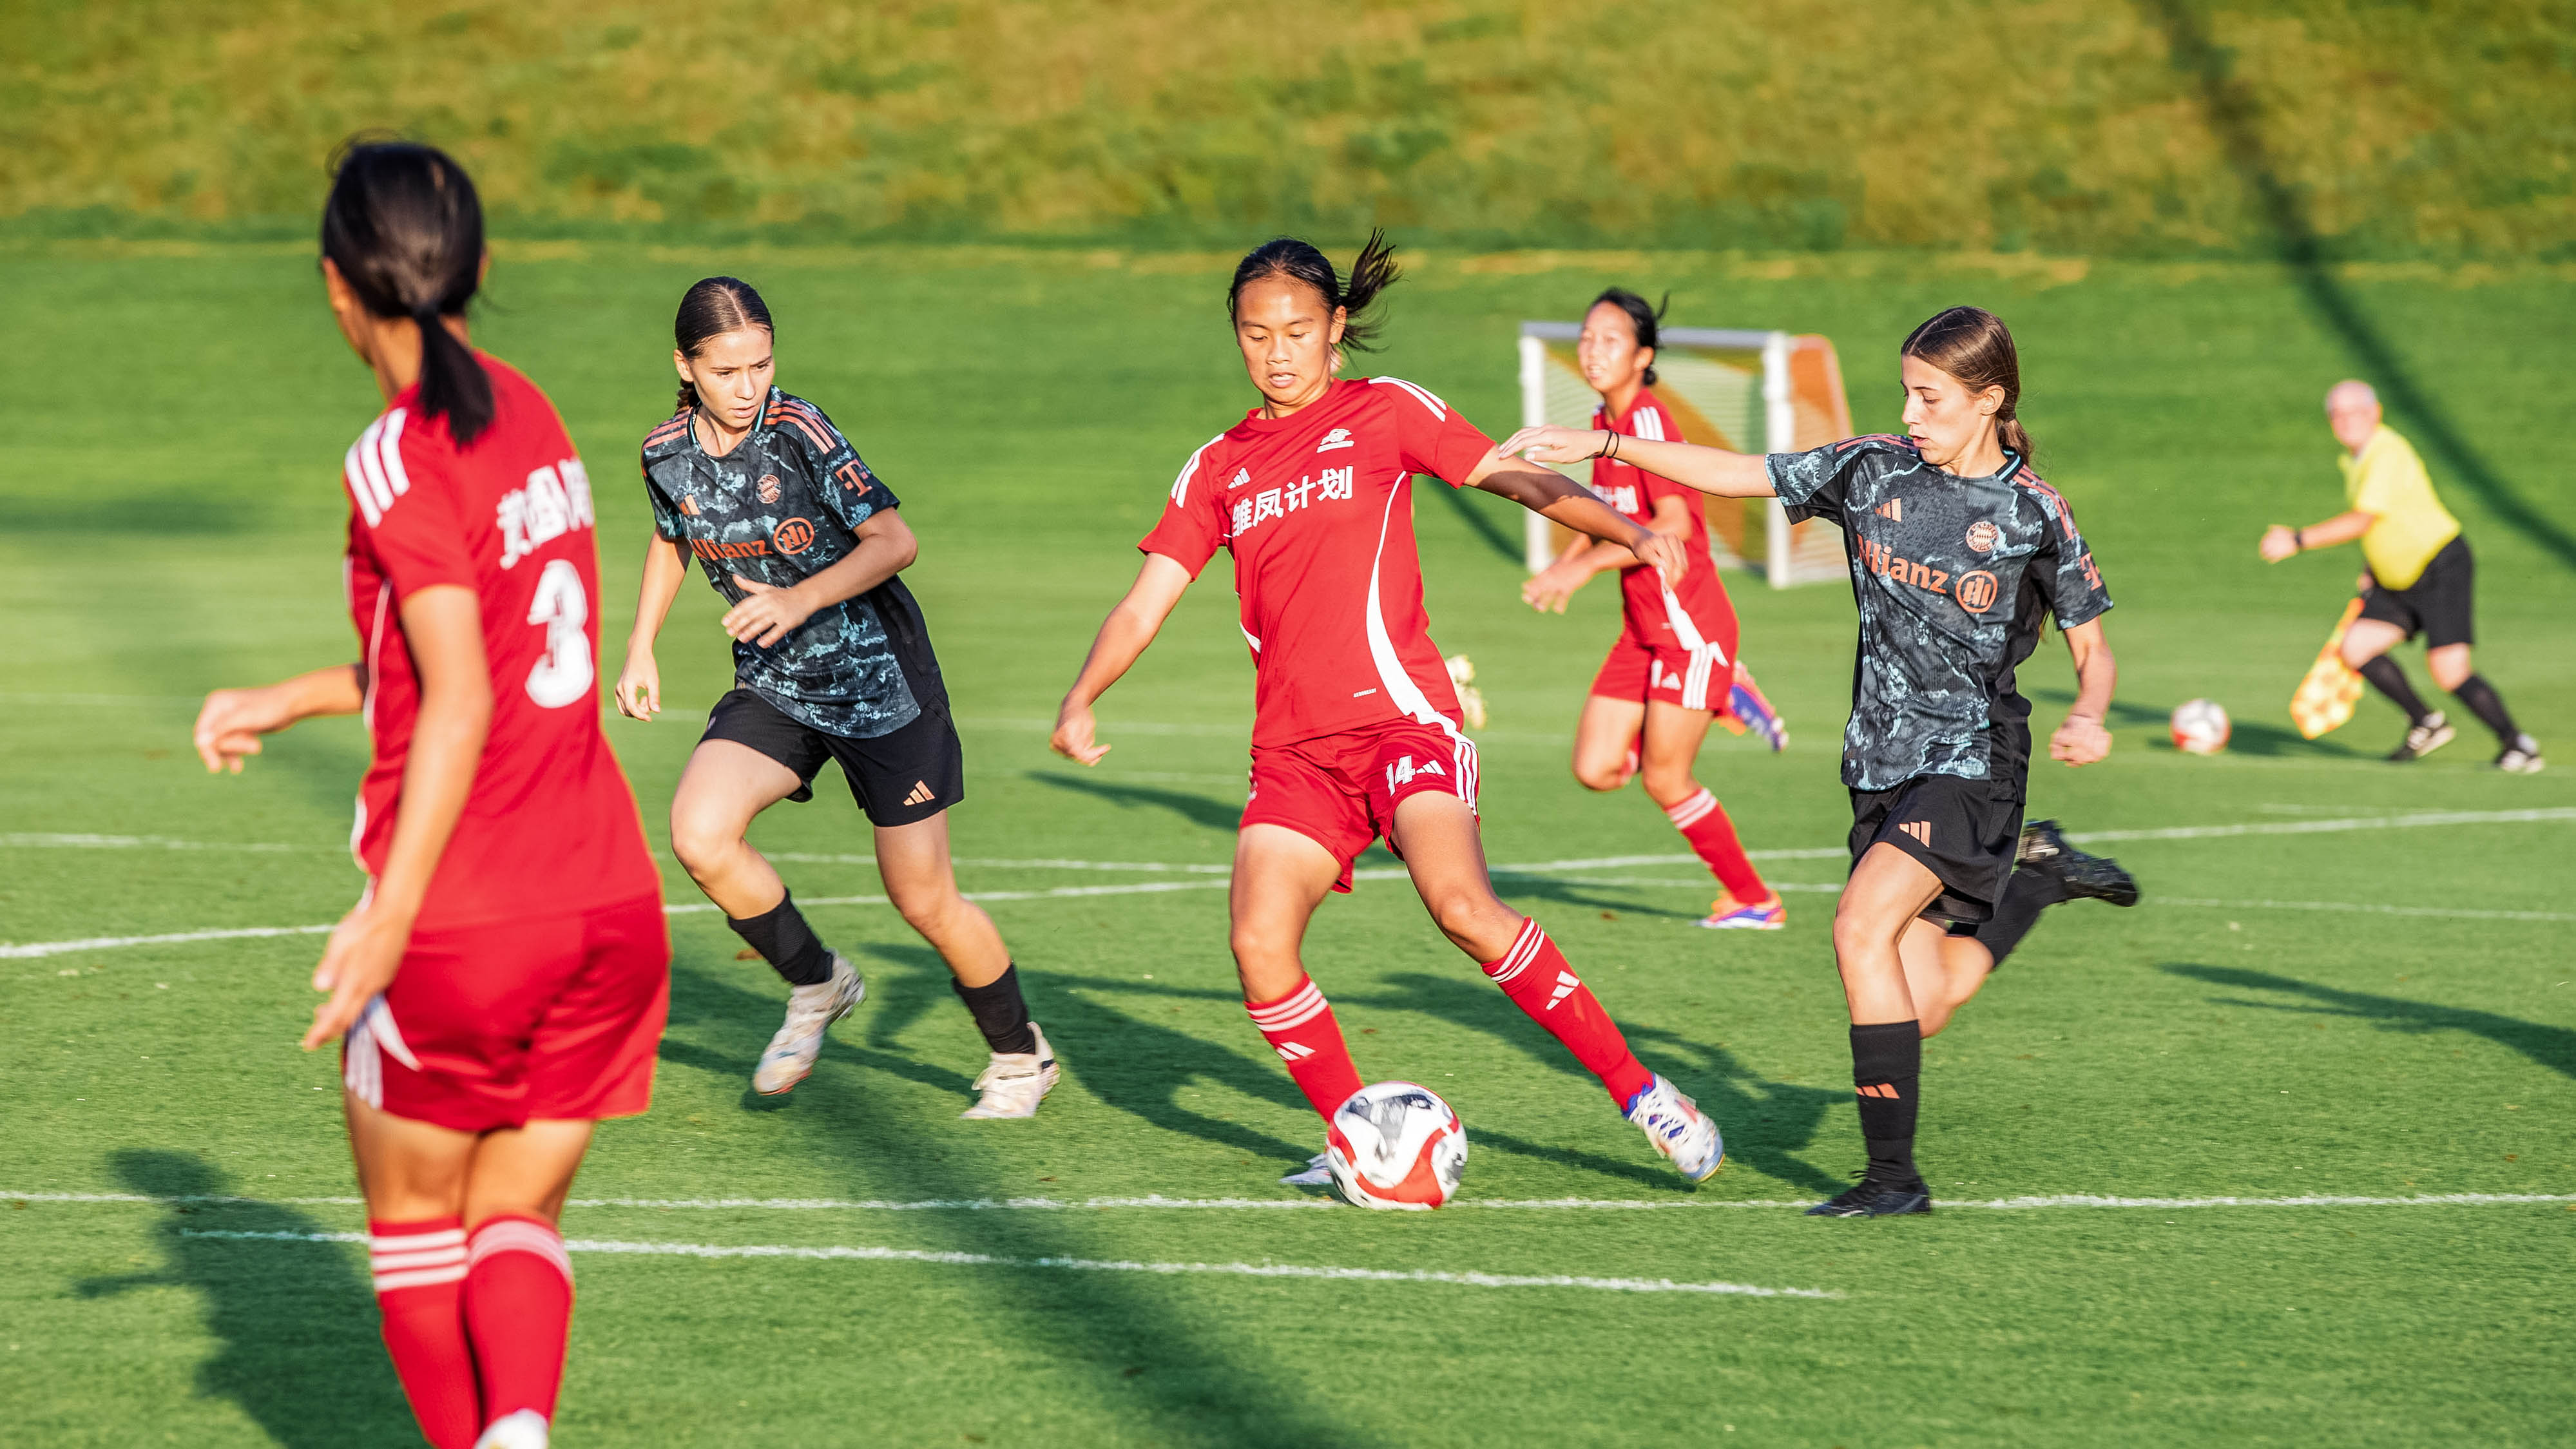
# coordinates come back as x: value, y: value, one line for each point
x: 2299, y: 539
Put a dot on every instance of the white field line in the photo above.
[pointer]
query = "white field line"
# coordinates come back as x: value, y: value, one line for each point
x: 2414, y: 821
x: 25, y: 840
x: 1157, y: 1202
x: 174, y: 938
x: 1110, y: 1265
x: 2371, y: 908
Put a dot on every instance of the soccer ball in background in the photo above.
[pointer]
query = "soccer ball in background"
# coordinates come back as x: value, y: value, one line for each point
x: 2200, y: 728
x: 1396, y: 1145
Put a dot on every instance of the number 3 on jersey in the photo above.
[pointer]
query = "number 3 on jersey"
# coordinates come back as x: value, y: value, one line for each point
x: 562, y: 677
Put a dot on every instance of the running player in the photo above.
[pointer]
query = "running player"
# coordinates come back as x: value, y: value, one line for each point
x: 2046, y: 872
x: 2419, y: 579
x: 502, y: 983
x: 1354, y: 733
x: 1674, y: 664
x: 1959, y: 554
x: 832, y: 661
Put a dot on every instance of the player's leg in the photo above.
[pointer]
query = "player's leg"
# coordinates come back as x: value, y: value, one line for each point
x: 921, y: 880
x: 2386, y: 622
x: 518, y: 1279
x: 1606, y: 751
x: 412, y: 1175
x: 1881, y: 907
x: 1280, y: 876
x: 2449, y: 594
x: 1674, y: 735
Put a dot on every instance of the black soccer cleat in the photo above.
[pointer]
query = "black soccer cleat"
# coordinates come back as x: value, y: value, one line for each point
x: 1866, y: 1199
x: 2423, y: 739
x: 2095, y: 877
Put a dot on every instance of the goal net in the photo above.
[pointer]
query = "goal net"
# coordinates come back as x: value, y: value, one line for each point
x: 1750, y: 392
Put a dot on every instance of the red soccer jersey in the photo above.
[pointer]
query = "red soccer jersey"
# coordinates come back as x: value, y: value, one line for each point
x: 1317, y: 509
x: 1633, y: 491
x: 549, y: 827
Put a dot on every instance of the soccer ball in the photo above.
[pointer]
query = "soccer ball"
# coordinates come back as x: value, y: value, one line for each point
x: 2200, y: 728
x: 1396, y: 1145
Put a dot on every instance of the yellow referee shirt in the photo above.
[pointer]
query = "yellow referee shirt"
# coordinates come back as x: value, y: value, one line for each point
x: 2387, y: 480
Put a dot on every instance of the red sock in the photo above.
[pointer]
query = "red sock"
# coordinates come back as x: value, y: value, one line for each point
x: 1702, y: 822
x: 518, y: 1309
x: 420, y: 1280
x: 1300, y: 1027
x: 1534, y: 974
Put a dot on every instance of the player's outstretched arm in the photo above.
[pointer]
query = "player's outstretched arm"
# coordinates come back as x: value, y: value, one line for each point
x: 639, y: 684
x: 768, y: 614
x: 1121, y: 642
x: 2083, y: 740
x: 232, y: 720
x: 2281, y: 541
x: 1548, y: 589
x: 1710, y: 470
x: 443, y: 624
x: 1560, y: 499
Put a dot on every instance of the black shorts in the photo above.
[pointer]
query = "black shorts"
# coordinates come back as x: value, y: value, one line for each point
x: 1964, y: 831
x: 899, y: 778
x: 2438, y: 605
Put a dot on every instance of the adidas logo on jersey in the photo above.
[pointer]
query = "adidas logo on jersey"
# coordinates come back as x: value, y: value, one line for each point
x: 1337, y: 438
x: 1241, y: 477
x: 1892, y: 510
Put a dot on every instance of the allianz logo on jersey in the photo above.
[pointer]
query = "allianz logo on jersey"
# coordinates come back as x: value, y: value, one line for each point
x: 1337, y: 438
x: 1403, y: 771
x: 553, y: 502
x: 1254, y: 509
x: 1976, y: 590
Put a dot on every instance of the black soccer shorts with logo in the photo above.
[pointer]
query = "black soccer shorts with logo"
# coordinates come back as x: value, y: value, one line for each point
x: 1966, y: 832
x: 899, y: 778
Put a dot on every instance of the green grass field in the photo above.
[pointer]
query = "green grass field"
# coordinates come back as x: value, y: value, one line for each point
x: 2374, y: 1012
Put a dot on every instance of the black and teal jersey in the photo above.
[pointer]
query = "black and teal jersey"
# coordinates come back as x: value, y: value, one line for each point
x: 780, y: 507
x: 1954, y: 578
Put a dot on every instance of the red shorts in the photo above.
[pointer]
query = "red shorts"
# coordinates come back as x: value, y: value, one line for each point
x: 1340, y: 791
x: 1667, y: 653
x: 492, y: 1026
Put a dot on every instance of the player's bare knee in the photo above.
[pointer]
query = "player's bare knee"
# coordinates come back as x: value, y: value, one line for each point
x: 1474, y: 920
x: 1601, y: 775
x: 931, y: 911
x: 1669, y: 787
x: 702, y: 846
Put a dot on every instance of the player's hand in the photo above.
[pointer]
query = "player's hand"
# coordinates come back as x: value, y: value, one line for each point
x: 639, y: 687
x: 1549, y: 588
x: 1072, y: 739
x: 2080, y: 741
x: 231, y: 722
x: 2279, y: 542
x: 1554, y: 444
x: 767, y: 614
x: 366, y: 948
x: 1665, y: 553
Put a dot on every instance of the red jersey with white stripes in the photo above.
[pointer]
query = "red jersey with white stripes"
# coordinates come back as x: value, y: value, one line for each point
x: 1316, y: 508
x: 1700, y: 597
x: 549, y: 827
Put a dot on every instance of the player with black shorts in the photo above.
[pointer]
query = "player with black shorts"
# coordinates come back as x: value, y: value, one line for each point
x: 832, y: 663
x: 1959, y: 554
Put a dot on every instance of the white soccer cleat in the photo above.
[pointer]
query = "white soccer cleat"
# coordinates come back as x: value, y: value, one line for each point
x: 523, y: 1429
x: 810, y: 1009
x: 1015, y: 1082
x: 1318, y: 1173
x: 1679, y: 1130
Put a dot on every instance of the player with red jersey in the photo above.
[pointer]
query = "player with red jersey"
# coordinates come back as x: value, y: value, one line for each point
x: 501, y: 985
x: 1355, y: 733
x: 1674, y: 669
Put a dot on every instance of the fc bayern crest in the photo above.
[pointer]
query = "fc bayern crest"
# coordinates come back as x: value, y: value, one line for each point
x: 769, y: 489
x: 1983, y: 536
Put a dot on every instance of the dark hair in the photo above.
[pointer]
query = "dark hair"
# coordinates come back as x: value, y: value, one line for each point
x: 1643, y: 319
x: 712, y: 308
x: 1973, y: 345
x: 1372, y: 272
x: 405, y: 229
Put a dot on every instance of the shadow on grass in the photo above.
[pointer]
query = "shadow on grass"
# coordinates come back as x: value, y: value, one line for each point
x: 2553, y: 1047
x: 1197, y: 809
x: 1170, y: 1373
x: 296, y: 1321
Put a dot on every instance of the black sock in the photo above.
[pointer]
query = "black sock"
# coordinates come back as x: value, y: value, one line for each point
x: 1887, y: 1068
x: 2488, y: 705
x: 2029, y: 892
x: 999, y: 1012
x: 783, y: 940
x: 2383, y: 672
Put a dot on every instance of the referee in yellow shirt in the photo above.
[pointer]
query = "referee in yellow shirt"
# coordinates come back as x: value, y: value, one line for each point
x: 2419, y: 579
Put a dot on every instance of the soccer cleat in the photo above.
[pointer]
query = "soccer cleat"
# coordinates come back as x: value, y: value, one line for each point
x: 810, y: 1009
x: 1867, y: 1199
x: 1746, y: 708
x: 1726, y: 913
x: 1679, y: 1130
x: 2423, y: 739
x: 1015, y: 1082
x: 2097, y: 877
x: 1318, y: 1173
x: 2522, y: 757
x: 522, y: 1429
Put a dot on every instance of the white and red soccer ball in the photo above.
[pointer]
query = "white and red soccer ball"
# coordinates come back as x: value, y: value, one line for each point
x: 1396, y: 1145
x: 2200, y: 727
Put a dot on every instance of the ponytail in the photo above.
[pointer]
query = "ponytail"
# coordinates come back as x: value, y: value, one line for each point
x: 1372, y: 272
x: 405, y: 229
x: 1973, y: 345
